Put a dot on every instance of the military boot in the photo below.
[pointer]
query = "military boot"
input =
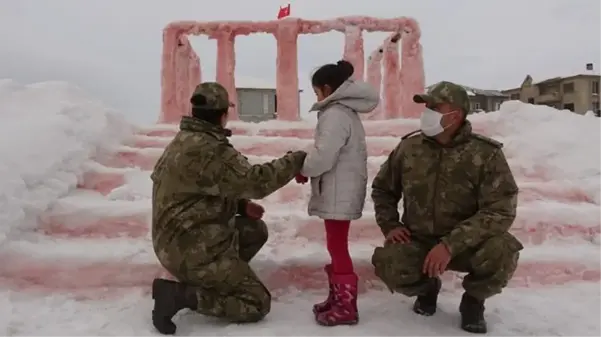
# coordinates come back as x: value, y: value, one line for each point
x: 472, y: 314
x: 425, y: 304
x: 169, y: 298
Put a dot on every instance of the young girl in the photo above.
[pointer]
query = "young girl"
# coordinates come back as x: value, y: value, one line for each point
x: 337, y: 166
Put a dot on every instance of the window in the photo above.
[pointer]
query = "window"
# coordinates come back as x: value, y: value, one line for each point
x: 530, y: 100
x: 515, y: 97
x: 497, y: 106
x: 569, y: 106
x: 265, y: 103
x: 596, y: 109
x: 568, y: 88
x: 595, y: 87
x: 475, y: 106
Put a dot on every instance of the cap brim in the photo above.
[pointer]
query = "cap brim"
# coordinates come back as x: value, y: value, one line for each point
x: 423, y: 99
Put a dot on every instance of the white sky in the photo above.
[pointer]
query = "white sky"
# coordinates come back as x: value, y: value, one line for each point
x: 112, y: 48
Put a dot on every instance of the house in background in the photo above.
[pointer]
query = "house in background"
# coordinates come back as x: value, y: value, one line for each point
x: 257, y: 100
x: 482, y: 100
x: 578, y: 93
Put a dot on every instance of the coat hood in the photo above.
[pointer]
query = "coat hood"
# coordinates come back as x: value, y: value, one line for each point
x: 359, y: 96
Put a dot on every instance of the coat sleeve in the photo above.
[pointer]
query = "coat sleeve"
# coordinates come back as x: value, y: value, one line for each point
x: 332, y: 133
x: 497, y: 203
x: 386, y: 192
x: 229, y: 174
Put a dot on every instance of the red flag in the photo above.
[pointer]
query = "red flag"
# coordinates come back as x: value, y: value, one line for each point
x: 284, y: 12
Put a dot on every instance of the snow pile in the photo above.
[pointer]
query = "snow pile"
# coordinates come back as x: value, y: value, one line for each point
x: 49, y: 130
x: 554, y: 146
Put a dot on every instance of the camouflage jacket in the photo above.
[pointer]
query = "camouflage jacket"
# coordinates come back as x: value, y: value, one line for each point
x: 198, y: 183
x: 461, y: 193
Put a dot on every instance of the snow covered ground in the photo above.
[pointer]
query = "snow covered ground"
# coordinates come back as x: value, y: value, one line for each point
x: 74, y: 208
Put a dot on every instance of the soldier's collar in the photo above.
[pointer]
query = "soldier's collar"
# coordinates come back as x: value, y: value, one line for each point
x: 189, y: 123
x: 463, y: 134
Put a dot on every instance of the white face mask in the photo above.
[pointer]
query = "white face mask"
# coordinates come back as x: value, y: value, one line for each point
x: 430, y: 122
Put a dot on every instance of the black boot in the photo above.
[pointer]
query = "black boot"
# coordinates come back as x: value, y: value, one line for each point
x: 169, y: 298
x: 425, y: 304
x: 472, y: 314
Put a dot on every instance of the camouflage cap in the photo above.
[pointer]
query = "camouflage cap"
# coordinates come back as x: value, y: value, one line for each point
x: 210, y: 96
x: 445, y: 92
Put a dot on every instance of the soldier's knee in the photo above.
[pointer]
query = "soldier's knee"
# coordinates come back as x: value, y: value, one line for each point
x: 499, y: 254
x: 254, y: 312
x: 264, y: 304
x: 398, y: 265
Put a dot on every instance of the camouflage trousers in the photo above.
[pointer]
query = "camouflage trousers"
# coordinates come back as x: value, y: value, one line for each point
x: 227, y: 287
x: 489, y: 267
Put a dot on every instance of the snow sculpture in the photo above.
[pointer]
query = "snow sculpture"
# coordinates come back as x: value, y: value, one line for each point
x: 374, y: 70
x: 181, y: 66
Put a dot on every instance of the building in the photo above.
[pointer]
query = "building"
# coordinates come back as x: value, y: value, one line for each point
x: 256, y: 104
x: 578, y: 93
x: 482, y: 100
x: 257, y: 100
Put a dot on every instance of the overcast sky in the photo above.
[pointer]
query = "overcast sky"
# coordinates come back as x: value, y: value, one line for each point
x: 112, y: 48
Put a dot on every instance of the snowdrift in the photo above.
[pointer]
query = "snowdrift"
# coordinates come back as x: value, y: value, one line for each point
x: 75, y: 196
x: 48, y: 131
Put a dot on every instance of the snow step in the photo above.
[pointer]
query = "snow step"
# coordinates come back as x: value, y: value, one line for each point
x: 55, y: 271
x: 270, y: 146
x: 301, y: 130
x: 145, y: 159
x: 304, y: 130
x: 362, y: 230
x: 88, y: 214
x: 104, y: 180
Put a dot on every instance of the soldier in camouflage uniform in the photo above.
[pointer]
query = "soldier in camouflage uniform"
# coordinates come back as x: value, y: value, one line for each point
x: 201, y: 230
x: 459, y: 201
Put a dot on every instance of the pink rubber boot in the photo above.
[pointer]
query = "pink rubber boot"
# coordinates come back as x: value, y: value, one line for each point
x: 343, y: 309
x: 326, y: 305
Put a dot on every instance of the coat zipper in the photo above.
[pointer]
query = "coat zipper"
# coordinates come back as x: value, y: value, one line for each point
x: 435, y: 191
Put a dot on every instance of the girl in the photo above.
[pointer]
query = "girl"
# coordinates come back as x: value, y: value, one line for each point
x: 337, y: 166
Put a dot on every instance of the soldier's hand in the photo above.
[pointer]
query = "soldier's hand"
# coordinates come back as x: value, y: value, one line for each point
x: 399, y: 235
x: 437, y: 260
x: 254, y: 210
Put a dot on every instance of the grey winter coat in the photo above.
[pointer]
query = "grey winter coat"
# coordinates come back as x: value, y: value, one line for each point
x: 337, y: 163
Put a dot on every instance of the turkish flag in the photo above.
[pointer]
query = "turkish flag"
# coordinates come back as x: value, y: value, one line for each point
x: 284, y: 12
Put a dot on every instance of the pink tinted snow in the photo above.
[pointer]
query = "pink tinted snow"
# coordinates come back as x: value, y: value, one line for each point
x: 181, y: 67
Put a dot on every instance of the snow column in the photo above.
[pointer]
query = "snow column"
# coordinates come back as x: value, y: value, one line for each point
x: 374, y: 77
x: 288, y: 104
x: 184, y: 63
x: 194, y: 75
x: 392, y: 81
x: 354, y: 51
x: 169, y: 111
x: 226, y: 65
x: 412, y: 75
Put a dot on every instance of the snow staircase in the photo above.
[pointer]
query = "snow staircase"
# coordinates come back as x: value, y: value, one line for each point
x: 97, y: 237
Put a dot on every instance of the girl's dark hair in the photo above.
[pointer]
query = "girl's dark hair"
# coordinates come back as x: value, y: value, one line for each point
x: 332, y: 75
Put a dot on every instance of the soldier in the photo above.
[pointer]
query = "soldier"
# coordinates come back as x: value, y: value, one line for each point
x: 204, y: 228
x: 459, y: 201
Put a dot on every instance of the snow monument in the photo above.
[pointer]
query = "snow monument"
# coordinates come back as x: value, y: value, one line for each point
x: 181, y: 66
x: 102, y: 226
